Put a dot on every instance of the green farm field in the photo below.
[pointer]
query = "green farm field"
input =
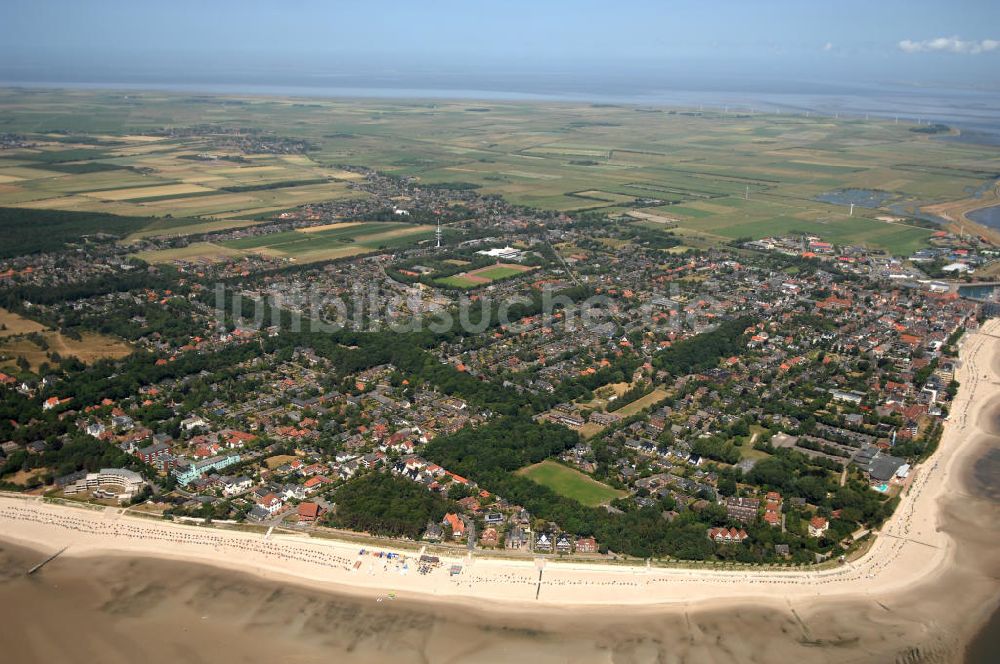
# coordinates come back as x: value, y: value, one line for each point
x: 719, y: 176
x: 570, y: 483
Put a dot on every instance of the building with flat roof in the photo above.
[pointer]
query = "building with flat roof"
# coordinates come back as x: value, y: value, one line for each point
x: 126, y: 483
x: 186, y: 474
x: 503, y: 253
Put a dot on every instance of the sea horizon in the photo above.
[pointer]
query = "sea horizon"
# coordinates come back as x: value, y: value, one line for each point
x: 974, y: 110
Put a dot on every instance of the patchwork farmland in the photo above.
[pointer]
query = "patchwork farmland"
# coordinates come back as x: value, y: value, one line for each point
x: 712, y: 176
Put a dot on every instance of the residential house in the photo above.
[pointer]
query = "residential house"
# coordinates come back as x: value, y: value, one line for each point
x: 743, y: 510
x: 457, y: 525
x: 490, y: 538
x: 153, y: 452
x: 543, y: 543
x: 309, y: 512
x: 517, y: 538
x: 727, y: 535
x: 234, y: 486
x: 271, y: 503
x: 818, y: 526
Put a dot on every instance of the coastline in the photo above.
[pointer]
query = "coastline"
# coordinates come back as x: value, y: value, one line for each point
x: 915, y: 546
x: 923, y: 591
x: 956, y: 213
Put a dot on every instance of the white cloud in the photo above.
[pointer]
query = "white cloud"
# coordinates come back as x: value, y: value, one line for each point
x: 949, y: 45
x: 828, y: 46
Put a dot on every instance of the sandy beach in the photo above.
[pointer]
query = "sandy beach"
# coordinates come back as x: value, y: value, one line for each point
x: 927, y: 582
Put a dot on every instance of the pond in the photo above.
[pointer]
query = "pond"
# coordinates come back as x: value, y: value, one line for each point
x: 988, y: 216
x: 977, y: 292
x: 867, y: 198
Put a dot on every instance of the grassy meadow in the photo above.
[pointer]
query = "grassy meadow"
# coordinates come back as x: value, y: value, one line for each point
x: 90, y: 347
x: 571, y: 483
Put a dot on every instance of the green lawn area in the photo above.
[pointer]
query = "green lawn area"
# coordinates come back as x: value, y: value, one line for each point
x: 748, y: 452
x: 570, y: 483
x: 656, y: 395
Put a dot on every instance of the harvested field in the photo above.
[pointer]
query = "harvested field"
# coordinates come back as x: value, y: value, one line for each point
x: 88, y: 348
x: 147, y: 192
x: 12, y: 324
x: 329, y: 227
x: 194, y: 251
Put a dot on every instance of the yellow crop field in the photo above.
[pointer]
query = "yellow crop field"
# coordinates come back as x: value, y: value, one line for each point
x: 227, y: 201
x: 339, y: 174
x: 195, y: 250
x: 243, y: 170
x: 89, y: 348
x: 328, y: 227
x: 26, y: 173
x: 147, y: 192
x: 60, y: 203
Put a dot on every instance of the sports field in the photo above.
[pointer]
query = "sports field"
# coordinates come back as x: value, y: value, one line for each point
x: 500, y: 271
x: 484, y: 275
x: 571, y: 483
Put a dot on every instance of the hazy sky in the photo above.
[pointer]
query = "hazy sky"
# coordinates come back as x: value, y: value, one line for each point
x: 311, y: 41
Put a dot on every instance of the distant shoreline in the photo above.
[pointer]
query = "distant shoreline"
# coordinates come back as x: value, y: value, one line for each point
x: 908, y: 104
